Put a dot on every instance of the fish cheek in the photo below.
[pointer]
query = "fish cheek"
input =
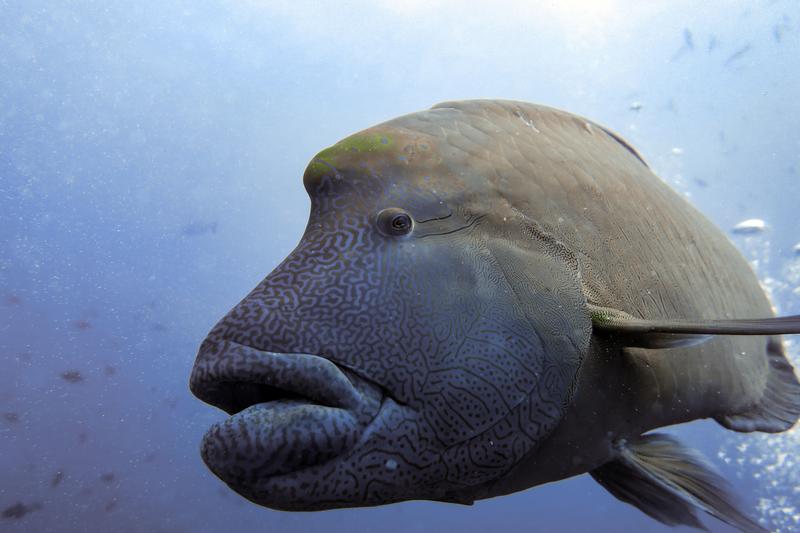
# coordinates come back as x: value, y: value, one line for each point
x: 507, y: 336
x: 539, y: 290
x: 543, y: 275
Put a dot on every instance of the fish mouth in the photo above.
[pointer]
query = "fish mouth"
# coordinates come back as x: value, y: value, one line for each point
x: 289, y: 411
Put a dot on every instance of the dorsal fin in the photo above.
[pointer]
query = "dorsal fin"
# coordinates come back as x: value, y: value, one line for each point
x: 624, y: 144
x: 641, y: 333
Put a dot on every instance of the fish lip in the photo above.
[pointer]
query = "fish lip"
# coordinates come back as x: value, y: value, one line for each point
x: 314, y: 378
x: 323, y: 391
x: 273, y: 483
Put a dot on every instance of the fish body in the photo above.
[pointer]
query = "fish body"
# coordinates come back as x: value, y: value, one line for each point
x: 642, y: 249
x: 738, y: 54
x: 196, y: 229
x: 481, y: 303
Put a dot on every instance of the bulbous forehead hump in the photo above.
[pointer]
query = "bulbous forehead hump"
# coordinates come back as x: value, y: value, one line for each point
x: 499, y: 148
x: 383, y: 151
x: 354, y: 149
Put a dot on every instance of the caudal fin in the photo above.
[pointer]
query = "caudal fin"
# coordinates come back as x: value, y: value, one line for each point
x: 670, y: 482
x: 779, y: 407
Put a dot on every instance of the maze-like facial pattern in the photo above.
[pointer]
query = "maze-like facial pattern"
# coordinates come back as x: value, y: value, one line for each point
x: 444, y: 325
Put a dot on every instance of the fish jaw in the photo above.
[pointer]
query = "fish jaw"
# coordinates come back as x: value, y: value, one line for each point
x: 289, y: 412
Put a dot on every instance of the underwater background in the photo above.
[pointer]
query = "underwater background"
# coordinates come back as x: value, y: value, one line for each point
x: 151, y: 156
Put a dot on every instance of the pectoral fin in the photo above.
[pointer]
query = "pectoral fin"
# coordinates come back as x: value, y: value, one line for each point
x: 640, y: 333
x: 670, y: 482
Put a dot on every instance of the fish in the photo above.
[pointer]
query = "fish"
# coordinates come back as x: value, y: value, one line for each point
x: 82, y: 324
x: 72, y: 376
x: 108, y: 477
x: 750, y: 226
x: 738, y: 54
x: 777, y: 33
x: 19, y: 510
x: 11, y: 417
x: 688, y: 44
x: 779, y: 28
x: 196, y: 229
x: 491, y: 295
x: 58, y: 477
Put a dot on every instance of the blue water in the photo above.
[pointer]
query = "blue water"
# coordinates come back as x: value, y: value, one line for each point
x: 151, y: 156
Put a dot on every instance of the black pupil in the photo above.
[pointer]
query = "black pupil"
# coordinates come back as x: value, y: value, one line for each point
x: 400, y: 222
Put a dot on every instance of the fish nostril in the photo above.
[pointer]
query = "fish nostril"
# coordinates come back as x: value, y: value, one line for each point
x: 233, y: 397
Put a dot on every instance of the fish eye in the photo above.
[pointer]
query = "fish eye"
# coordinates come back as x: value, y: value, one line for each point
x: 393, y: 221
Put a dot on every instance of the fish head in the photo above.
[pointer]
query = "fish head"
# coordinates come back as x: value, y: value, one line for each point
x: 417, y: 343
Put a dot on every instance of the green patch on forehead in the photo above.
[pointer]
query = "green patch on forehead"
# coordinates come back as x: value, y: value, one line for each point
x: 361, y: 143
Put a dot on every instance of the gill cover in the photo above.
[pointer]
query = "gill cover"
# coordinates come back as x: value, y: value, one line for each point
x: 544, y: 277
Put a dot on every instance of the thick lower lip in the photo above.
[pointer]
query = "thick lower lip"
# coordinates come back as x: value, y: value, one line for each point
x: 289, y: 411
x: 275, y: 438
